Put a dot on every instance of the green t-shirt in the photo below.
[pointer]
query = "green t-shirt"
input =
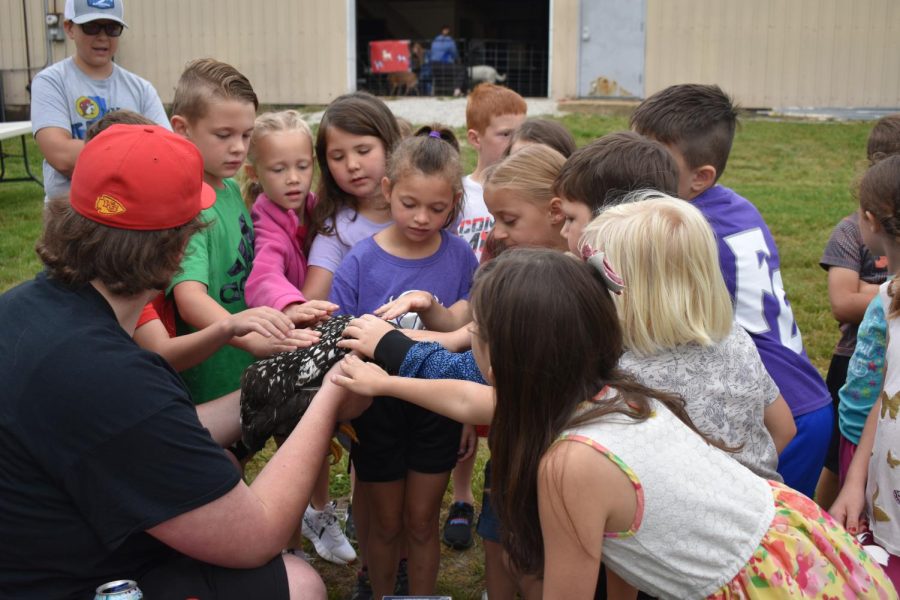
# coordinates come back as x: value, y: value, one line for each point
x: 220, y: 257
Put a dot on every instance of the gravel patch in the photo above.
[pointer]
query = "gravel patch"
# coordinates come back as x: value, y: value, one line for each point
x: 448, y: 111
x: 832, y: 114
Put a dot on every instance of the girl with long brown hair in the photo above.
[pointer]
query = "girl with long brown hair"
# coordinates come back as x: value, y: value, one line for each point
x: 597, y: 466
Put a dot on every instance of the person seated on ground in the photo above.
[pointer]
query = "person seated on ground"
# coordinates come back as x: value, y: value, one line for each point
x: 109, y: 471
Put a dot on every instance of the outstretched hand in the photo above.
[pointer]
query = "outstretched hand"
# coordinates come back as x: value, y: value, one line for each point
x: 262, y: 347
x: 310, y: 313
x: 416, y: 301
x: 349, y: 404
x: 263, y: 320
x: 269, y: 331
x: 363, y: 378
x: 453, y: 341
x: 363, y: 334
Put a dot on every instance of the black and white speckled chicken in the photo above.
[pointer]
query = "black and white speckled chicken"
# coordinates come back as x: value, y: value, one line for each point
x: 276, y: 391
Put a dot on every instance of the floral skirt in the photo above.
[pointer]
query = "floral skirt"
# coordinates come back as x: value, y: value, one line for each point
x: 807, y: 554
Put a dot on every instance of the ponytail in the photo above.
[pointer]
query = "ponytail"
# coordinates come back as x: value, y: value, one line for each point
x: 433, y: 150
x: 250, y: 189
x: 438, y: 131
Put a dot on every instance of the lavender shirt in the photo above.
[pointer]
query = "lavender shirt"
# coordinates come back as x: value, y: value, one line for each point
x: 350, y: 228
x: 370, y: 277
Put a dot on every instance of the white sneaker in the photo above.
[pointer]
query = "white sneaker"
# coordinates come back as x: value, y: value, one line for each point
x: 322, y: 528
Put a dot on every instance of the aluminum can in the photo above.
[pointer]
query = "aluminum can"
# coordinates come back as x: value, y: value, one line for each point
x: 123, y: 589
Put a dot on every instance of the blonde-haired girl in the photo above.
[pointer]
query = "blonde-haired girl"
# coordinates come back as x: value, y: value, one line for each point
x: 678, y: 326
x: 277, y: 181
x: 518, y: 193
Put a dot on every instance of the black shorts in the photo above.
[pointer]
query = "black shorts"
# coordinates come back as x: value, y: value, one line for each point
x: 397, y: 436
x: 837, y: 376
x: 185, y: 577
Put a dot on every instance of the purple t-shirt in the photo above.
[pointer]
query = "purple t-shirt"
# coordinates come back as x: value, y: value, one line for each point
x: 370, y: 277
x: 327, y: 251
x: 750, y: 265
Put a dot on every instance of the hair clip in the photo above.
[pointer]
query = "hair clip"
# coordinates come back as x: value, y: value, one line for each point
x: 597, y: 259
x: 435, y: 134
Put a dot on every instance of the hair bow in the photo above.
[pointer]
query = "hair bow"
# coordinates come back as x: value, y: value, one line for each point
x: 597, y: 259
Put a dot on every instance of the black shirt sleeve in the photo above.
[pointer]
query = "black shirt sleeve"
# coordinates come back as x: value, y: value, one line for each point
x: 391, y: 350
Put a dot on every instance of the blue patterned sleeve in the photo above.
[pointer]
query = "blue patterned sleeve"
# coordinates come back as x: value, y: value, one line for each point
x: 429, y: 360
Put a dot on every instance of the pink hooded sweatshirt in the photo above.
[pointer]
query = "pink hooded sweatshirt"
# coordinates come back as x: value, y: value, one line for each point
x: 279, y: 264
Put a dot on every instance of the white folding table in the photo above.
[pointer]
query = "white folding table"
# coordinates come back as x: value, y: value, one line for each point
x: 12, y: 130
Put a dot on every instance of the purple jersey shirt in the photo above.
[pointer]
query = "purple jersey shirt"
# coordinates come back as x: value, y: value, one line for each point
x: 749, y: 261
x: 369, y: 277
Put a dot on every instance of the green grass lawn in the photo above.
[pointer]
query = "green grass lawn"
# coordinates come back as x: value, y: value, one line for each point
x: 799, y: 175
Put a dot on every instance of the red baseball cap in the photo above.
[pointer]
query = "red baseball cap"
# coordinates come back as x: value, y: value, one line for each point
x: 140, y: 177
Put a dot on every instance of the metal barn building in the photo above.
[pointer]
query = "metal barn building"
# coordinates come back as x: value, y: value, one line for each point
x: 767, y: 53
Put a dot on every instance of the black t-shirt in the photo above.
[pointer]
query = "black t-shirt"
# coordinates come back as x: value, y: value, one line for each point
x: 99, y: 441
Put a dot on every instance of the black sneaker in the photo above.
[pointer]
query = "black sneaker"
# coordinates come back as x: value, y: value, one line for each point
x: 401, y: 585
x: 458, y: 528
x: 363, y: 589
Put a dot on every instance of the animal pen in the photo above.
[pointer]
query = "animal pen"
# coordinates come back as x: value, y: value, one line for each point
x: 519, y: 65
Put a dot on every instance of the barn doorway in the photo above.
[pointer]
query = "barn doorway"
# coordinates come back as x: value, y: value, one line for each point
x: 502, y: 40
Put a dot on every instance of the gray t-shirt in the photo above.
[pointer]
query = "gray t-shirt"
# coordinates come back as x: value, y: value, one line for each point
x: 726, y: 389
x: 63, y: 96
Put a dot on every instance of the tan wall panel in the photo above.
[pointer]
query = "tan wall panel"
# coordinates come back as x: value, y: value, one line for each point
x: 765, y: 52
x: 778, y: 52
x: 565, y: 36
x: 293, y: 51
x: 13, y: 60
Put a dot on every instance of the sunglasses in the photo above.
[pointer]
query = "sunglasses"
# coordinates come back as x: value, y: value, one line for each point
x: 93, y: 28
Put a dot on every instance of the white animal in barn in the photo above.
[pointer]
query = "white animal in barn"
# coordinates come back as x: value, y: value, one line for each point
x: 482, y: 73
